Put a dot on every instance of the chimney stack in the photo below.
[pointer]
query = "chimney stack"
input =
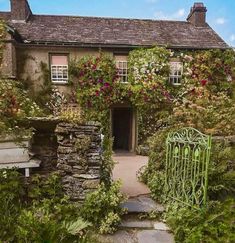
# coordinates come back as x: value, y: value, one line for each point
x: 20, y: 11
x: 197, y: 15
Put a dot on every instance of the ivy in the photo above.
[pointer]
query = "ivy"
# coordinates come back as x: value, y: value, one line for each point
x: 2, y: 37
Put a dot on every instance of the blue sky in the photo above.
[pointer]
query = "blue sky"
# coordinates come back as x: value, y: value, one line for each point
x: 220, y: 15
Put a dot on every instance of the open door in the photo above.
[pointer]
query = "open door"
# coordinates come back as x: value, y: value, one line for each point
x: 122, y: 128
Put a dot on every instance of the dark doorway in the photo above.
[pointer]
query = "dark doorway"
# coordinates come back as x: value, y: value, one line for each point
x: 122, y: 128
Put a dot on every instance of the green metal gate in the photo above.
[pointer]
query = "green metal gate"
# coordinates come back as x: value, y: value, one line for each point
x: 187, y: 161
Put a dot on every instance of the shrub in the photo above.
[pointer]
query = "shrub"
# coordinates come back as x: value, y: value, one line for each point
x: 102, y: 207
x: 38, y: 212
x: 222, y: 171
x: 11, y: 195
x: 213, y: 224
x: 107, y: 161
x: 15, y: 106
x: 38, y: 224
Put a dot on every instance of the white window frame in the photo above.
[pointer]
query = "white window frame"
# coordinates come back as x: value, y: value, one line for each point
x: 176, y: 72
x: 60, y: 72
x: 122, y: 72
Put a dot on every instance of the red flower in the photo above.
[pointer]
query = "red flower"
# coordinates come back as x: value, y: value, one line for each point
x: 193, y: 91
x: 203, y: 82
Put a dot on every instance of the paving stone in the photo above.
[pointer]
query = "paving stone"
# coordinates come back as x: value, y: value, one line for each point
x: 142, y: 204
x: 144, y: 224
x: 120, y: 236
x: 154, y: 236
x: 161, y: 226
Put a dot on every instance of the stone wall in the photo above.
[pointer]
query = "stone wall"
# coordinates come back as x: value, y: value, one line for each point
x: 44, y: 143
x: 79, y: 158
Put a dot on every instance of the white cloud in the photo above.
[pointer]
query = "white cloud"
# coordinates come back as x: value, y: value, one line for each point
x: 180, y: 12
x: 232, y: 37
x: 177, y: 15
x: 221, y: 21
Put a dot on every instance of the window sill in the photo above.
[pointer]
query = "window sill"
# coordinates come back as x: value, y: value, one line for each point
x: 60, y: 83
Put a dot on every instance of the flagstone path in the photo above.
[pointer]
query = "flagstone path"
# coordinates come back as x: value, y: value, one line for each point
x: 133, y: 229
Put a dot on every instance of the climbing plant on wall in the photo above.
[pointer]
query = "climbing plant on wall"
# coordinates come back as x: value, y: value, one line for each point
x: 2, y: 36
x: 99, y: 87
x: 148, y: 88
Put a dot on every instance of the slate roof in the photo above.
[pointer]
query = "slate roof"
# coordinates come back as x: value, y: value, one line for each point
x: 74, y: 30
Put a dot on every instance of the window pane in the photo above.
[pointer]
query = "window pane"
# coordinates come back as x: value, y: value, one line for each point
x: 59, y: 60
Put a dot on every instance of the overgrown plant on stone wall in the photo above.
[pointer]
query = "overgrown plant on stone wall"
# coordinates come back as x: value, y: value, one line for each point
x: 2, y: 36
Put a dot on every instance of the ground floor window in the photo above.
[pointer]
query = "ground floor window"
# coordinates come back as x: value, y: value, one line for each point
x: 59, y: 68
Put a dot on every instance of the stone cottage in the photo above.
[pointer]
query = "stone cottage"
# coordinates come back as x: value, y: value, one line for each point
x: 55, y: 40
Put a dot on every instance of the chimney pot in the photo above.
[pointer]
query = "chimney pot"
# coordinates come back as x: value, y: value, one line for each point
x: 197, y: 15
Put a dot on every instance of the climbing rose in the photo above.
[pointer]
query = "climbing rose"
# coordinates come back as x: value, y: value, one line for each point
x: 203, y: 82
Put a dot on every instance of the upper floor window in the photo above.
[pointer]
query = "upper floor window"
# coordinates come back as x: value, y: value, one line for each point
x: 176, y: 71
x: 122, y: 68
x: 59, y: 68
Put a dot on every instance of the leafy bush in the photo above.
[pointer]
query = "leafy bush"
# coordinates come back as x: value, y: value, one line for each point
x: 38, y: 224
x: 102, y: 207
x: 107, y: 161
x: 11, y: 195
x: 15, y: 106
x: 222, y: 171
x: 213, y: 224
x: 38, y: 212
x: 156, y: 185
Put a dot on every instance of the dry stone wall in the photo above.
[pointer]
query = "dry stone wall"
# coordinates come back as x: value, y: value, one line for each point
x: 79, y: 158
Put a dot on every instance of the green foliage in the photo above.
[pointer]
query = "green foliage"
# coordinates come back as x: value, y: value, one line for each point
x: 212, y: 224
x: 222, y: 171
x: 11, y: 194
x: 2, y: 36
x: 156, y: 185
x: 41, y: 187
x: 15, y: 106
x: 72, y: 115
x: 214, y: 66
x: 209, y: 113
x: 149, y: 65
x: 107, y: 161
x: 102, y: 207
x: 40, y: 225
x: 38, y: 212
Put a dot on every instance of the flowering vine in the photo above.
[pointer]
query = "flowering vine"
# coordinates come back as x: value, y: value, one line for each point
x: 148, y: 88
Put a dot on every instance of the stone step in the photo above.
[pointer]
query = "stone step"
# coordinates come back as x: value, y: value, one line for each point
x: 154, y: 236
x: 138, y: 236
x: 142, y: 204
x: 136, y: 224
x: 143, y: 224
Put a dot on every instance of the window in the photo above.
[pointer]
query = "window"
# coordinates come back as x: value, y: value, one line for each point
x: 59, y: 68
x: 176, y: 71
x: 122, y: 71
x: 122, y: 67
